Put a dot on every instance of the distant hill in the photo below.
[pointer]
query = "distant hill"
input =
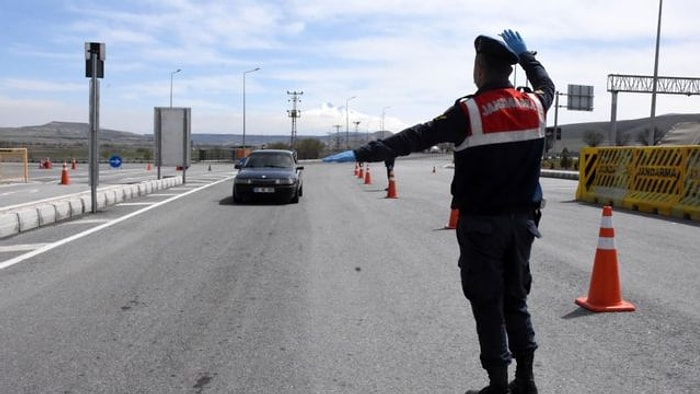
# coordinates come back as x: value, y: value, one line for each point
x: 572, y: 134
x: 71, y: 133
x: 67, y: 133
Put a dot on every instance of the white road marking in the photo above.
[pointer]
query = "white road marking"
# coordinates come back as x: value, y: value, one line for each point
x: 198, y: 181
x: 86, y: 221
x: 53, y: 245
x: 20, y: 191
x: 21, y: 247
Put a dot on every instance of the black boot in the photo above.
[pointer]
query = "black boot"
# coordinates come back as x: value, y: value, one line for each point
x: 524, y: 382
x: 498, y: 382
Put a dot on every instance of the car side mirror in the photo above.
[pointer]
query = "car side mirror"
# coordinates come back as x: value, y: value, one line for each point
x: 237, y: 166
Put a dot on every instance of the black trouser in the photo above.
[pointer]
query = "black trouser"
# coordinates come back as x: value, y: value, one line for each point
x: 389, y: 168
x: 495, y: 271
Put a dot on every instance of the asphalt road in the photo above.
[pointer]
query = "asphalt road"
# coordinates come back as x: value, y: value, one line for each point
x: 346, y: 292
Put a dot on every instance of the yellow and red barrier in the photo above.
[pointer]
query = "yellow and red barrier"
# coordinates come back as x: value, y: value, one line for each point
x: 663, y: 179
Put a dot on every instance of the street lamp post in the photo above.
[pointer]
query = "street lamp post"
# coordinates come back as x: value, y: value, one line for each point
x: 347, y: 130
x: 383, y: 114
x: 244, y: 74
x: 171, y: 85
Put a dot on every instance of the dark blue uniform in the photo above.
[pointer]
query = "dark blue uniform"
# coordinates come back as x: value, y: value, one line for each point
x: 496, y: 189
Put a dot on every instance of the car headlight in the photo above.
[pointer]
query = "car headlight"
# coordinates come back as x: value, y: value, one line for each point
x: 242, y: 181
x: 285, y: 181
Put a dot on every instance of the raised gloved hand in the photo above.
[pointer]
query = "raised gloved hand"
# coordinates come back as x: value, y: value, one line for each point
x: 341, y: 157
x: 514, y: 41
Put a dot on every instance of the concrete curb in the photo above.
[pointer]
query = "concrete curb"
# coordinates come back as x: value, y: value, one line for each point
x: 45, y: 213
x: 559, y: 174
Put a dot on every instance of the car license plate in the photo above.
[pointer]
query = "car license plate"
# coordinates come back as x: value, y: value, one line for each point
x: 263, y: 190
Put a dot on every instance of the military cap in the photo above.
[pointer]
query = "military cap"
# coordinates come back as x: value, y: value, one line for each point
x: 496, y: 49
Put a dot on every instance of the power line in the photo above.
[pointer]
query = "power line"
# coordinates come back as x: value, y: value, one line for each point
x: 294, y: 113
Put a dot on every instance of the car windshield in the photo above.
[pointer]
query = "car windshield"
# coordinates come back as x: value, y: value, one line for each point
x: 270, y: 161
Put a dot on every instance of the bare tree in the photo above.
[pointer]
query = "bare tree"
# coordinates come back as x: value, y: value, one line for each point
x: 565, y: 161
x: 622, y: 139
x: 592, y: 138
x: 643, y: 136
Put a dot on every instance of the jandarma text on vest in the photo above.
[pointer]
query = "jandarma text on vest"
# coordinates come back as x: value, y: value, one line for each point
x: 507, y: 103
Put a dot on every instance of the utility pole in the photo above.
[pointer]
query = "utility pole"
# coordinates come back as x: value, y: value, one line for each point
x: 347, y: 132
x: 337, y: 136
x: 382, y: 127
x: 294, y: 113
x: 356, y: 123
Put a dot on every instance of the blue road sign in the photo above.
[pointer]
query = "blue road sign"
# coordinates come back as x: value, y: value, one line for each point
x: 115, y: 161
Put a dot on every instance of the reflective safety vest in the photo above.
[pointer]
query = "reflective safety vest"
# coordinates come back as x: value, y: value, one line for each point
x: 502, y: 116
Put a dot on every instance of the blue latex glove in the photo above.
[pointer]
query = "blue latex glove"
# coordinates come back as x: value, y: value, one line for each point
x: 329, y: 159
x: 514, y: 41
x: 341, y: 157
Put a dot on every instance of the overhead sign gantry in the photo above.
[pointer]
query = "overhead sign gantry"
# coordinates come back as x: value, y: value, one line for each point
x: 645, y: 84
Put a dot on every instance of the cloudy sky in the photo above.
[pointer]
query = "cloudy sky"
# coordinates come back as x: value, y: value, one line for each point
x: 407, y: 59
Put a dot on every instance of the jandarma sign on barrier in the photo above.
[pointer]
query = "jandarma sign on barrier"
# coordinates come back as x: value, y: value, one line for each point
x: 658, y: 172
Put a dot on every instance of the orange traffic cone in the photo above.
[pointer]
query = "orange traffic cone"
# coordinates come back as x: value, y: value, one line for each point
x: 356, y: 170
x: 65, y: 179
x: 454, y: 218
x: 368, y: 177
x: 604, y: 291
x: 73, y: 165
x: 148, y: 167
x: 361, y: 172
x: 391, y: 190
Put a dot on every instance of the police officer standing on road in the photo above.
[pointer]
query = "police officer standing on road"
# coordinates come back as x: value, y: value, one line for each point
x: 498, y: 134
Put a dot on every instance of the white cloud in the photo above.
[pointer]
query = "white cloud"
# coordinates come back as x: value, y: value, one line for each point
x: 40, y: 86
x: 26, y: 112
x: 414, y: 56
